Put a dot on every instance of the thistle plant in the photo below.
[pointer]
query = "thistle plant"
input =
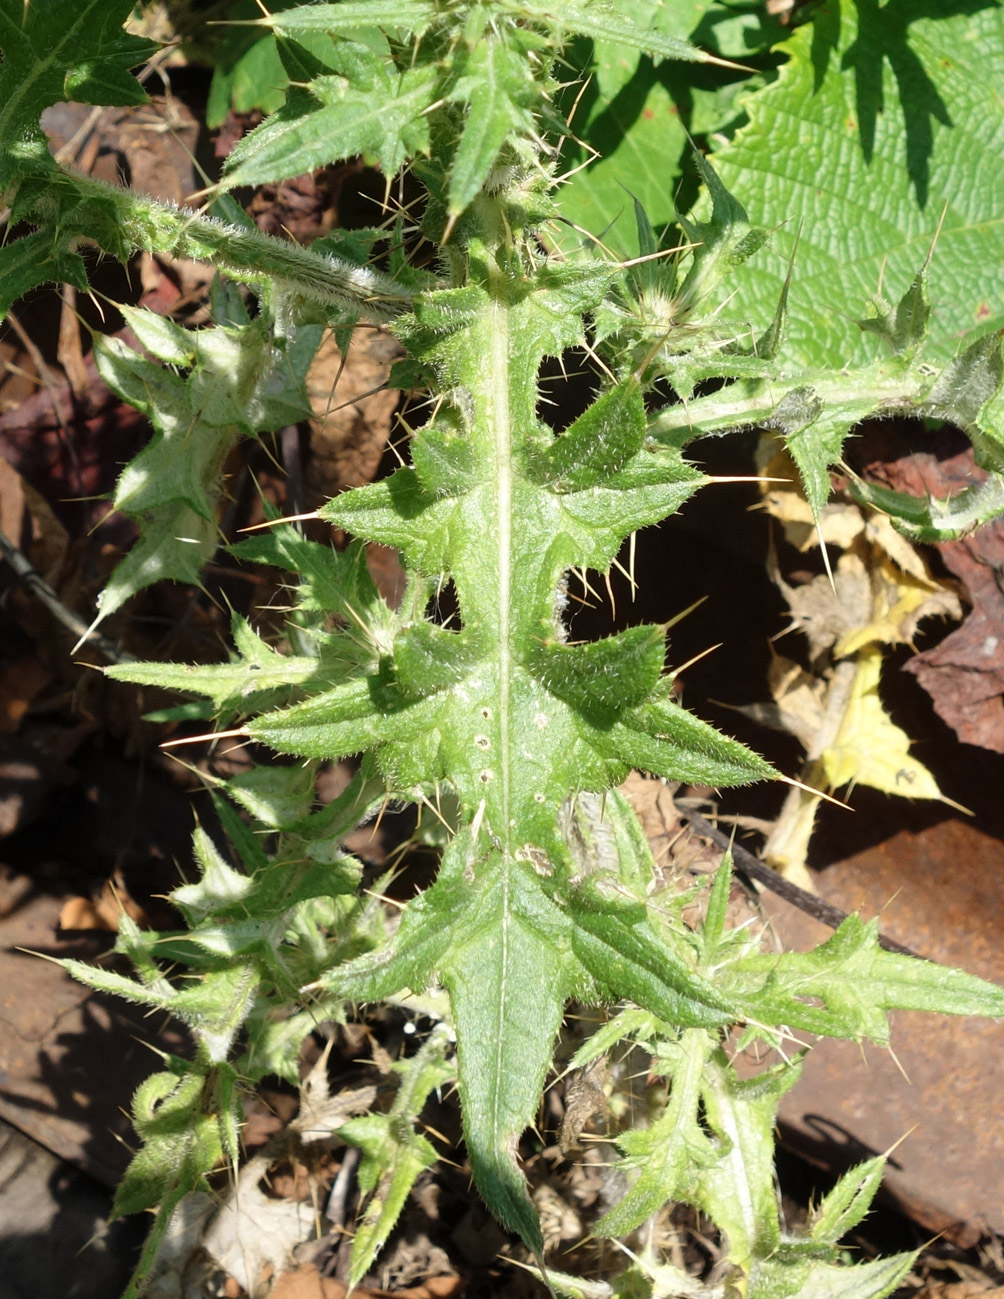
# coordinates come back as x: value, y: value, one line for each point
x: 546, y: 890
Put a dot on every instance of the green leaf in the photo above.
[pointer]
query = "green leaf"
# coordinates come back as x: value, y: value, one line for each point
x: 181, y: 1142
x: 380, y: 117
x: 237, y: 381
x: 238, y: 685
x: 275, y: 796
x: 661, y: 1156
x: 220, y: 886
x: 639, y: 24
x: 904, y: 325
x: 605, y: 677
x: 897, y: 102
x: 64, y: 49
x: 843, y: 1208
x: 627, y: 114
x: 33, y: 260
x: 599, y: 443
x: 870, y: 1280
x: 54, y: 51
x: 507, y: 994
x: 394, y: 1154
x: 327, y: 581
x: 724, y: 243
x: 844, y: 987
x: 624, y: 955
x: 249, y: 72
x: 737, y: 1191
x: 399, y: 16
x: 499, y: 102
x: 630, y: 115
x: 513, y: 721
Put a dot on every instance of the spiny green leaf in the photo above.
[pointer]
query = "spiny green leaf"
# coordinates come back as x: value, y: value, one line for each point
x: 387, y: 15
x: 620, y: 24
x: 238, y: 685
x: 275, y: 796
x: 515, y: 726
x: 605, y: 677
x: 176, y: 545
x: 661, y: 1156
x: 969, y: 382
x: 240, y: 380
x: 429, y: 659
x: 599, y: 443
x: 844, y: 987
x: 871, y: 1280
x: 933, y: 519
x: 505, y: 1041
x: 904, y: 325
x: 624, y: 955
x: 500, y: 91
x: 181, y: 1142
x: 844, y: 1207
x: 394, y: 1154
x: 382, y: 119
x: 662, y: 738
x: 737, y: 1191
x: 724, y: 242
x: 93, y: 976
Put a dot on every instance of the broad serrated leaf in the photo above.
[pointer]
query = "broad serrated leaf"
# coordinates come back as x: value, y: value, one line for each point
x: 626, y: 113
x: 64, y: 49
x: 897, y: 101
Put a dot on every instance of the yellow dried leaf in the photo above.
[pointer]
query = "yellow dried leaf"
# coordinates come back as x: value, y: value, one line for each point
x: 899, y: 601
x: 870, y: 749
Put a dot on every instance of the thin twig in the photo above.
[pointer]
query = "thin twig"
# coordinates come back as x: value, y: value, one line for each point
x: 770, y: 879
x: 33, y: 581
x: 45, y: 374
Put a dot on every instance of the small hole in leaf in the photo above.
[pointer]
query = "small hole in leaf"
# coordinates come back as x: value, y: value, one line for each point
x: 444, y: 608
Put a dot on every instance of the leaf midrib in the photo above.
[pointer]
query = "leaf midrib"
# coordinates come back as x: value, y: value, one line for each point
x: 499, y: 414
